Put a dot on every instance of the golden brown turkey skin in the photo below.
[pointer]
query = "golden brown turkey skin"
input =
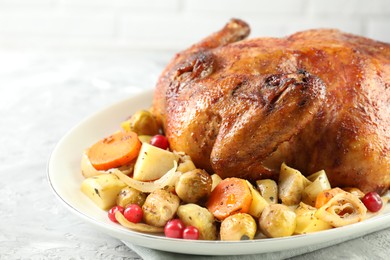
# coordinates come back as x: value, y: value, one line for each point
x: 318, y: 99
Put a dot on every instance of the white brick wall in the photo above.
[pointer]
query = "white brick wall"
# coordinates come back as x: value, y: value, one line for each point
x: 126, y: 25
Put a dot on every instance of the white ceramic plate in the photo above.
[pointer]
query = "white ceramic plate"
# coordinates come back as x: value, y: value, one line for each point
x: 65, y: 179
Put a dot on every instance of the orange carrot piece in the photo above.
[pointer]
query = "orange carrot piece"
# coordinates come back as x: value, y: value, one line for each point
x: 324, y: 196
x: 114, y: 151
x: 230, y: 196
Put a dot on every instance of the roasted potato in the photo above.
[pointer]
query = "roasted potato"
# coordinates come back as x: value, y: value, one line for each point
x: 307, y: 222
x: 268, y: 190
x: 319, y: 183
x: 216, y: 180
x: 145, y: 138
x: 258, y: 202
x: 103, y: 189
x: 291, y: 185
x: 185, y: 163
x: 152, y: 163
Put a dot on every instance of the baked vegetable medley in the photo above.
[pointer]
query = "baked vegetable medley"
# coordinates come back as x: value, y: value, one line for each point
x: 145, y: 186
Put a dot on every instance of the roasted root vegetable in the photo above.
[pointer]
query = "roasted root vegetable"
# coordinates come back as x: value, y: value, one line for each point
x: 103, y: 189
x: 185, y: 163
x: 199, y: 217
x: 153, y: 162
x: 277, y: 220
x: 307, y: 222
x: 216, y: 180
x: 291, y: 185
x: 193, y: 186
x: 268, y: 190
x: 114, y: 151
x: 160, y: 206
x: 319, y: 183
x: 145, y: 138
x: 142, y: 122
x: 240, y: 226
x: 129, y: 195
x: 230, y: 196
x: 258, y: 202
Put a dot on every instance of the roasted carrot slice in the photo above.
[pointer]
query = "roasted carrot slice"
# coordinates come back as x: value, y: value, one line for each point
x: 114, y: 151
x: 230, y: 196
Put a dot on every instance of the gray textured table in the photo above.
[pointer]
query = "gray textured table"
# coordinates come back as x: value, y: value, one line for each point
x: 41, y: 97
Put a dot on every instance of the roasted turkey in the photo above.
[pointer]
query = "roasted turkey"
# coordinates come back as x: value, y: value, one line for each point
x: 318, y: 99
